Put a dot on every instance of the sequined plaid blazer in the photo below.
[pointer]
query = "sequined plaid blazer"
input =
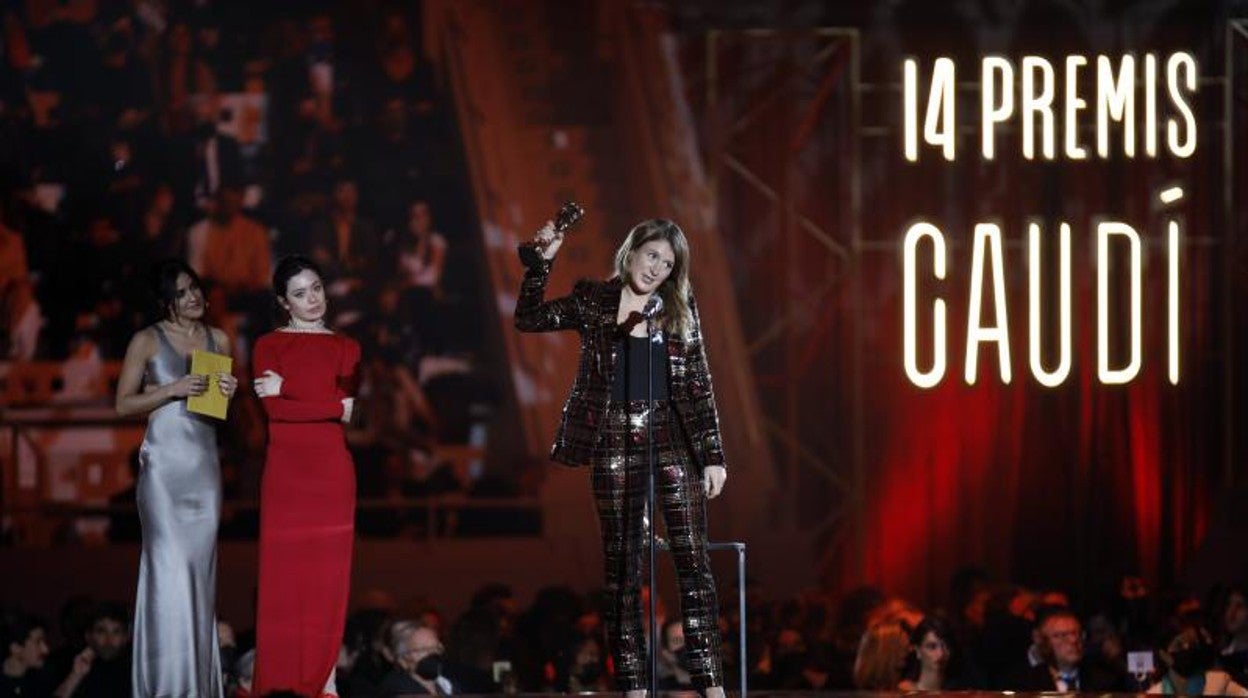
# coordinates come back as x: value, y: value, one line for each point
x: 592, y: 309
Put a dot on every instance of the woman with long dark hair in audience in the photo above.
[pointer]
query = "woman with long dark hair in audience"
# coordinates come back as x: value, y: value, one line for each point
x: 604, y: 426
x: 927, y: 664
x: 304, y: 375
x: 178, y: 492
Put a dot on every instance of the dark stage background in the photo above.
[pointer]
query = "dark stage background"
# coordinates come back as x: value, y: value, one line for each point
x: 770, y: 131
x: 1071, y: 486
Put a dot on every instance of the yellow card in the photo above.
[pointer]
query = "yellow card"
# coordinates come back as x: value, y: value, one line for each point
x: 212, y: 403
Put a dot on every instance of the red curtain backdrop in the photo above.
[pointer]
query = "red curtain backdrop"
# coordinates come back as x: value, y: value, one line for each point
x: 1068, y: 487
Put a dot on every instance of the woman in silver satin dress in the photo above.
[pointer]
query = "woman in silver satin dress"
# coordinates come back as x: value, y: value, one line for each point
x: 179, y: 494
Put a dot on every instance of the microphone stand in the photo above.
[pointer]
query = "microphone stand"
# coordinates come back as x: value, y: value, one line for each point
x: 651, y: 504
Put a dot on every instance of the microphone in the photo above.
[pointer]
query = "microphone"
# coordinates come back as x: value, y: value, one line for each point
x: 654, y: 306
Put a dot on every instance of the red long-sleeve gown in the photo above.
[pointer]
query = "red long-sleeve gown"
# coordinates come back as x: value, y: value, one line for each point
x: 307, y: 511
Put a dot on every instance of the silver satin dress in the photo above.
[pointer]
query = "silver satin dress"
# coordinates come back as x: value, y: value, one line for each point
x: 179, y: 499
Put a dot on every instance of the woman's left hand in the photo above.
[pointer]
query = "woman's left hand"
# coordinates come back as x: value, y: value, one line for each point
x: 228, y: 383
x: 713, y: 479
x: 269, y: 384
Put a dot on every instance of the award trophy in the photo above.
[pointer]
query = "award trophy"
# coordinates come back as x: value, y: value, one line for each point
x: 569, y: 215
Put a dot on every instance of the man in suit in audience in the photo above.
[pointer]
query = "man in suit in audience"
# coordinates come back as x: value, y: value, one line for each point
x: 1059, y: 639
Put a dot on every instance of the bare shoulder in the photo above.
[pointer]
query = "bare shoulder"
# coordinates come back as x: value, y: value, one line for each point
x: 143, y: 343
x: 1218, y: 682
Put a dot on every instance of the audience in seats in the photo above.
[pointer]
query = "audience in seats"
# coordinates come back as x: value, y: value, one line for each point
x: 1234, y: 622
x: 1189, y: 663
x: 672, y: 673
x: 396, y: 646
x: 1063, y: 667
x: 230, y: 249
x: 131, y: 133
x: 927, y: 661
x: 881, y: 656
x: 20, y: 318
x: 25, y: 645
x: 419, y: 662
x: 348, y: 247
x: 102, y: 668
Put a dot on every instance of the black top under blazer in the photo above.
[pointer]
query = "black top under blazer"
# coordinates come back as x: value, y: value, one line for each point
x: 592, y: 310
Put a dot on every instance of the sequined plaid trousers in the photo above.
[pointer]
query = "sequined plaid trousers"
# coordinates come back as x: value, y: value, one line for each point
x: 620, y: 483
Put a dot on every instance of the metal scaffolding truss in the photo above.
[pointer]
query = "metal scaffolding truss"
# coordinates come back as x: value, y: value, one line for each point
x: 820, y: 67
x: 830, y: 70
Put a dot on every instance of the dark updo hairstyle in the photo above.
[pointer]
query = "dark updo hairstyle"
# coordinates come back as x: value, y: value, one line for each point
x: 288, y: 268
x: 935, y: 625
x: 164, y: 284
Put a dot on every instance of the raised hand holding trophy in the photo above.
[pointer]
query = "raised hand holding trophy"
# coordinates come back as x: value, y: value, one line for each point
x: 568, y: 216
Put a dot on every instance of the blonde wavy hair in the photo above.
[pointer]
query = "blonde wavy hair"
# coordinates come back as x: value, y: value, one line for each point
x: 676, y: 318
x: 881, y: 656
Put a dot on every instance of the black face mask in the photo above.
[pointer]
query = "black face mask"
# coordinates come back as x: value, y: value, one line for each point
x: 429, y: 668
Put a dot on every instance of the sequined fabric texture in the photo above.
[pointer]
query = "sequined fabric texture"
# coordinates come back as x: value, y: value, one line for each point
x: 619, y: 481
x: 591, y: 309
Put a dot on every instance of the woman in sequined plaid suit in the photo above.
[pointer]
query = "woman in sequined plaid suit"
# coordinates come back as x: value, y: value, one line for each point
x: 604, y: 427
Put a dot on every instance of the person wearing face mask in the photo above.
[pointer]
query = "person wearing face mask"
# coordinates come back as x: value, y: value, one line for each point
x: 304, y: 374
x: 178, y: 492
x: 418, y: 662
x: 604, y: 426
x: 1189, y: 660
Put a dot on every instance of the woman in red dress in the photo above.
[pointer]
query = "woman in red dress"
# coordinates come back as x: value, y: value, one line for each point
x: 307, y: 499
